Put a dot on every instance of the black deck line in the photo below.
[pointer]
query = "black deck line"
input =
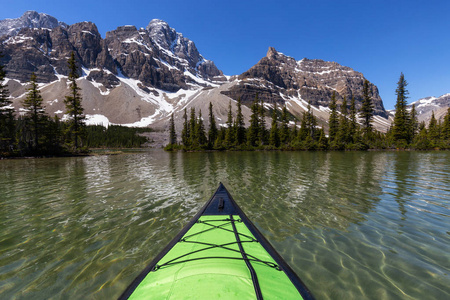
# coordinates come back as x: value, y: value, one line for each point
x: 222, y: 203
x: 249, y: 265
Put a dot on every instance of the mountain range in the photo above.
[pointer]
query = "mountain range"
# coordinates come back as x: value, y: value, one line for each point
x: 139, y: 77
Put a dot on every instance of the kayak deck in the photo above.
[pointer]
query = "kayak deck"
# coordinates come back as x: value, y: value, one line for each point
x: 219, y: 254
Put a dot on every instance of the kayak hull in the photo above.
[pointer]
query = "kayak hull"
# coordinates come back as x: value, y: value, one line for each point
x: 218, y: 254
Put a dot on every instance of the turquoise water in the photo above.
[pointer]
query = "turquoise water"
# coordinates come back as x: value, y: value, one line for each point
x: 358, y: 225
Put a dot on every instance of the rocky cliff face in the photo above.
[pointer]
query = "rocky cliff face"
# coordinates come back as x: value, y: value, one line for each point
x: 45, y: 51
x: 158, y: 56
x: 278, y: 78
x: 426, y: 106
x: 29, y: 19
x: 140, y: 77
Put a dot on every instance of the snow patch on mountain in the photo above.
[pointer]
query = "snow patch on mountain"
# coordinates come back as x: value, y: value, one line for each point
x: 30, y: 19
x: 97, y: 119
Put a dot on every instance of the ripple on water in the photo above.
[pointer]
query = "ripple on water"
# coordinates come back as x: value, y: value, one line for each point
x: 352, y: 225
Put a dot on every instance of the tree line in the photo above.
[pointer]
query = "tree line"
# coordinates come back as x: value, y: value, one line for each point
x: 115, y: 136
x: 35, y: 133
x: 349, y: 128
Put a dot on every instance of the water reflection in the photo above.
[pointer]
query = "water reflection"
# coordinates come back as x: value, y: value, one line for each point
x: 353, y: 225
x: 323, y: 188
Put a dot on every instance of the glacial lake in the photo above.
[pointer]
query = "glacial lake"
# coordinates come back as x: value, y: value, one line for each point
x: 353, y: 225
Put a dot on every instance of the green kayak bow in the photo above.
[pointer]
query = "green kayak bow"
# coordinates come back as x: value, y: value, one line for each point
x: 219, y: 254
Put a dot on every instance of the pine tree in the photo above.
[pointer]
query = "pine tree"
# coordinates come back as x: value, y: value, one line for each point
x: 193, y: 139
x: 353, y: 126
x: 200, y: 131
x: 294, y: 132
x: 172, y: 131
x: 446, y: 126
x: 303, y: 132
x: 218, y: 144
x: 311, y: 123
x: 333, y: 121
x: 274, y: 139
x: 239, y: 125
x: 343, y: 132
x: 284, y: 132
x: 35, y: 112
x: 433, y: 130
x: 322, y: 143
x: 367, y: 109
x: 212, y: 132
x: 53, y: 137
x: 73, y: 105
x: 6, y: 115
x: 400, y: 130
x: 413, y: 124
x: 254, y: 128
x: 229, y: 135
x: 422, y: 141
x: 262, y: 137
x: 185, y: 133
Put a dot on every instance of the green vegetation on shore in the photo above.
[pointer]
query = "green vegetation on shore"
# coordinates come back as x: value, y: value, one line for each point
x: 345, y: 132
x: 34, y: 133
x: 115, y: 136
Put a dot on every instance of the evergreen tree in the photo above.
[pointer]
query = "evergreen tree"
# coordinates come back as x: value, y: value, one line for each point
x: 229, y: 134
x: 294, y: 132
x: 274, y: 139
x: 262, y: 137
x: 311, y: 123
x: 254, y: 128
x: 413, y: 123
x: 6, y: 116
x: 367, y: 109
x: 322, y: 143
x: 343, y: 132
x: 303, y: 132
x: 185, y: 133
x: 200, y: 132
x: 239, y: 125
x: 73, y: 105
x: 218, y: 144
x: 284, y: 132
x: 212, y: 132
x: 353, y: 126
x: 53, y: 137
x: 35, y: 115
x: 400, y: 129
x: 192, y: 123
x: 433, y: 130
x: 422, y: 141
x: 446, y: 126
x: 333, y: 121
x: 172, y: 131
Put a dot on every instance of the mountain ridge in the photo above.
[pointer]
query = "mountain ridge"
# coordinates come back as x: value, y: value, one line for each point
x: 139, y: 77
x: 30, y: 19
x: 428, y: 105
x: 310, y: 80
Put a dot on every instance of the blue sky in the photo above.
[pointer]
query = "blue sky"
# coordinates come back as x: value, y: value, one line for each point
x: 378, y: 38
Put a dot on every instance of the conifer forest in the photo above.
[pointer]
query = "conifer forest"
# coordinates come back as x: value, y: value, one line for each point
x: 349, y: 129
x: 34, y: 133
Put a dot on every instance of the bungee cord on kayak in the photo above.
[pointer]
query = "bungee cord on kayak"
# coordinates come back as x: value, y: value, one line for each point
x: 218, y: 254
x: 177, y: 260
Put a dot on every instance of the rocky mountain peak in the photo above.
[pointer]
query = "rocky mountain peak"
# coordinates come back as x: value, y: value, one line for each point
x: 30, y: 19
x: 162, y: 34
x: 272, y: 53
x: 280, y: 78
x: 170, y: 40
x: 426, y: 106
